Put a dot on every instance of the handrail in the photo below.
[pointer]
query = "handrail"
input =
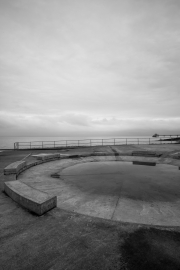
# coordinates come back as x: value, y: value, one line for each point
x: 87, y: 142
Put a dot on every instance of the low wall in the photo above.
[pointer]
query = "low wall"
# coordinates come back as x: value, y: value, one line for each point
x: 30, y: 198
x: 41, y: 202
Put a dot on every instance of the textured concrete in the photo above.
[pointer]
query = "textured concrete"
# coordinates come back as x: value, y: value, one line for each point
x: 144, y: 163
x: 145, y: 153
x: 96, y: 186
x: 45, y: 156
x: 65, y: 240
x: 32, y: 199
x: 15, y: 167
x: 9, y: 177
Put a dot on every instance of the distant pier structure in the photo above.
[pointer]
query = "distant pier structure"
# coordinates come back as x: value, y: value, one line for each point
x: 167, y: 137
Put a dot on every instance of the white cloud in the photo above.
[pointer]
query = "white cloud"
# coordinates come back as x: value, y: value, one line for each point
x: 83, y: 125
x: 82, y: 59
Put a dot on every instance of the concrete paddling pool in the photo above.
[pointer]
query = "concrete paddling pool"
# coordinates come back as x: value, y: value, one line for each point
x: 114, y: 189
x: 125, y: 192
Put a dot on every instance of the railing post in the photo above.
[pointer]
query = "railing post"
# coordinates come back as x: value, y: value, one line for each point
x: 102, y: 141
x: 42, y: 144
x: 90, y: 142
x: 149, y: 140
x: 138, y: 140
x: 78, y: 142
x: 114, y: 141
x: 66, y: 143
x: 30, y: 145
x: 54, y: 144
x: 126, y: 141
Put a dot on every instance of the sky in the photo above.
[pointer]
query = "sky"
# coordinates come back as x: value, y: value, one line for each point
x: 89, y: 68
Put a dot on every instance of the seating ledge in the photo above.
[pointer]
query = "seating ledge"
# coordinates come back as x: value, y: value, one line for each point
x: 46, y: 156
x: 144, y: 163
x: 32, y: 199
x: 14, y: 168
x: 145, y: 153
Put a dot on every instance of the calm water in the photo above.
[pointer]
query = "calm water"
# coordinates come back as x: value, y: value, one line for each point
x: 8, y: 142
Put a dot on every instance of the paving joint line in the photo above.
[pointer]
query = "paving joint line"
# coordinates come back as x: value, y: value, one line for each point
x: 117, y: 201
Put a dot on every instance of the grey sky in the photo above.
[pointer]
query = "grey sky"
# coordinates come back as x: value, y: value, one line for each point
x: 89, y: 67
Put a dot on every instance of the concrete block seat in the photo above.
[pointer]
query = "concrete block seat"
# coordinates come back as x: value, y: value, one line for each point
x: 148, y: 163
x: 146, y: 153
x: 14, y: 169
x: 46, y: 157
x: 175, y: 155
x: 30, y: 198
x: 34, y: 200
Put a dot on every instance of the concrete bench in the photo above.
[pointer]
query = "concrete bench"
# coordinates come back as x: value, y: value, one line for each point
x: 175, y: 155
x: 149, y: 163
x: 15, y: 168
x: 32, y: 199
x: 64, y: 156
x: 99, y: 154
x: 145, y: 153
x: 47, y: 156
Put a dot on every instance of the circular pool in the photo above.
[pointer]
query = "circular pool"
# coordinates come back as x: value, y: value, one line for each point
x: 106, y: 188
x: 124, y: 191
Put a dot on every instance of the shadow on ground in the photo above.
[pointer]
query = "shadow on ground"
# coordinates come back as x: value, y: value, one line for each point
x: 151, y: 249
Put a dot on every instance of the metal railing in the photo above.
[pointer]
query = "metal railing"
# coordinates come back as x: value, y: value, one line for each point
x: 87, y: 142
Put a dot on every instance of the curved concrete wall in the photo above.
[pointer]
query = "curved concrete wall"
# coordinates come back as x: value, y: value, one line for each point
x: 29, y: 197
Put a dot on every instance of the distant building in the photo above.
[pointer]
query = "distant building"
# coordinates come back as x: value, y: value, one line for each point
x: 155, y: 135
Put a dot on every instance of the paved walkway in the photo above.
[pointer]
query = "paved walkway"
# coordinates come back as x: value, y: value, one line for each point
x: 62, y: 239
x: 135, y: 193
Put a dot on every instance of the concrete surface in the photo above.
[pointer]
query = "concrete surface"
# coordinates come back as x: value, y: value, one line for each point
x: 45, y: 156
x: 62, y: 239
x: 148, y: 163
x: 32, y: 199
x: 145, y: 195
x: 9, y: 177
x: 145, y: 153
x: 120, y: 191
x: 14, y: 167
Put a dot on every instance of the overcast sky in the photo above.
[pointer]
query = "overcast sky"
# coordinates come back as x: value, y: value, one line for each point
x: 89, y: 67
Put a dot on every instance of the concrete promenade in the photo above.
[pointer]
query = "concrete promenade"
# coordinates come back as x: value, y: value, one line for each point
x: 63, y: 239
x: 111, y: 187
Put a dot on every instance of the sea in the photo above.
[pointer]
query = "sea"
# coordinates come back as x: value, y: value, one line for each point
x: 7, y: 142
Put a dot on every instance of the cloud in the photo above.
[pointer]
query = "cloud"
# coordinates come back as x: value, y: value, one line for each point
x: 75, y: 119
x: 70, y: 63
x: 83, y: 125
